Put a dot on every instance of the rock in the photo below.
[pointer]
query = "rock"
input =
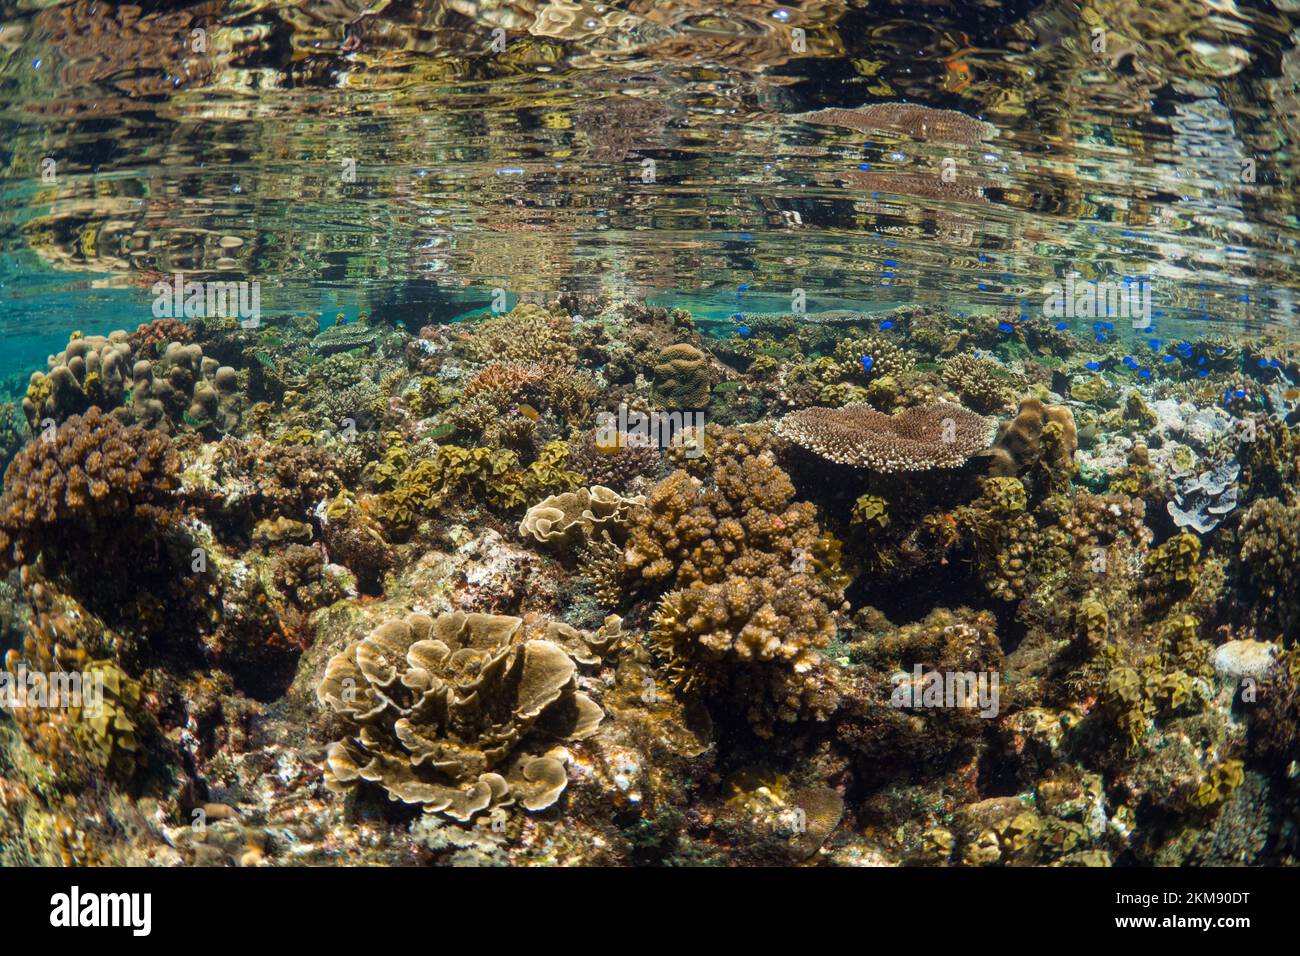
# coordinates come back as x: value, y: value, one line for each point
x: 1238, y: 659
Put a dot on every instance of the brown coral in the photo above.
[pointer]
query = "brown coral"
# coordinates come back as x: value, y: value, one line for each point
x: 572, y: 516
x: 916, y: 439
x: 683, y: 377
x: 449, y: 713
x: 92, y: 474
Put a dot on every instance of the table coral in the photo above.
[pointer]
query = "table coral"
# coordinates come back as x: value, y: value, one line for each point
x: 916, y: 439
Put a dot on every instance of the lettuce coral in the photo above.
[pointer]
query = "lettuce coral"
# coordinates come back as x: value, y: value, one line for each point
x: 451, y: 714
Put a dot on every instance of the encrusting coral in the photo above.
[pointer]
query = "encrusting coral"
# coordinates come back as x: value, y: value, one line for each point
x: 450, y: 714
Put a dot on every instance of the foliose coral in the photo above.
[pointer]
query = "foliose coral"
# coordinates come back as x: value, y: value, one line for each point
x: 452, y: 714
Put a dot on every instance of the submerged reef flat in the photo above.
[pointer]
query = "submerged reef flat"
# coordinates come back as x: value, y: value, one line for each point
x: 606, y: 586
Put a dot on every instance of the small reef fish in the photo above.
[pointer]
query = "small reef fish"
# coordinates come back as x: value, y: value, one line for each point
x: 867, y: 362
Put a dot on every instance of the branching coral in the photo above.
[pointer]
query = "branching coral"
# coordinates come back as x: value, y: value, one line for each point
x: 93, y: 478
x: 615, y: 464
x: 748, y: 606
x: 915, y: 439
x: 450, y: 714
x: 982, y: 382
x: 528, y: 333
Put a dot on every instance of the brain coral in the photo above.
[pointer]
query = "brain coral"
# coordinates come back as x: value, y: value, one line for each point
x: 92, y: 473
x: 683, y: 378
x: 916, y: 439
x: 448, y: 713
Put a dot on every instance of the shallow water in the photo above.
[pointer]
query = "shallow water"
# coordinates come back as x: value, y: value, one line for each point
x: 524, y: 169
x: 858, y: 205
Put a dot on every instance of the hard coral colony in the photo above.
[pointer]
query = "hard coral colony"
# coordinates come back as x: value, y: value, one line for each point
x: 605, y: 577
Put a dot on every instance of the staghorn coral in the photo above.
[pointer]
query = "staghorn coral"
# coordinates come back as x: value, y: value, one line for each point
x: 915, y: 439
x: 451, y: 714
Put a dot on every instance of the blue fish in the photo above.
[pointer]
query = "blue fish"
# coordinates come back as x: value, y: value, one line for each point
x: 1108, y: 326
x: 1092, y: 366
x: 1004, y: 327
x: 1100, y: 337
x: 1275, y: 363
x: 1145, y: 372
x: 867, y: 362
x: 737, y: 316
x: 1169, y: 358
x: 1202, y: 374
x: 886, y: 325
x: 1263, y: 363
x: 1220, y: 350
x: 1129, y: 360
x: 1062, y: 326
x: 1239, y: 393
x: 1201, y: 360
x: 743, y: 330
x: 1154, y: 343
